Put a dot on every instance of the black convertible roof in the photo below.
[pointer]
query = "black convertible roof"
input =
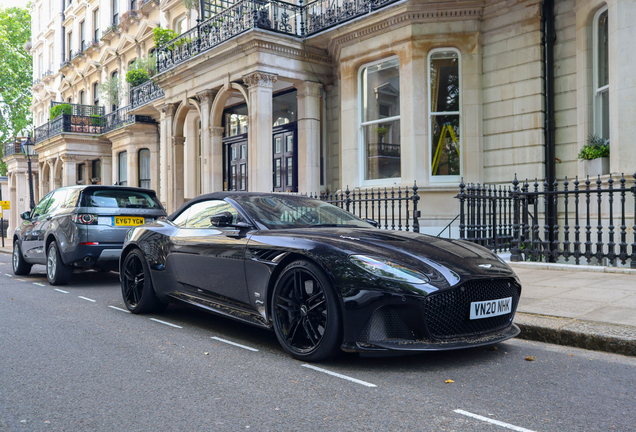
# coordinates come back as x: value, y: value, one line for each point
x: 223, y: 195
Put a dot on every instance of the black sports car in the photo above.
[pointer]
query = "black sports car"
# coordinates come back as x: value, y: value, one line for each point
x: 321, y: 278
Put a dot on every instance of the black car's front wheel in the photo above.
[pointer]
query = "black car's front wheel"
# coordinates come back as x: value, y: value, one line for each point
x: 57, y: 272
x: 306, y: 315
x: 20, y: 266
x: 136, y: 285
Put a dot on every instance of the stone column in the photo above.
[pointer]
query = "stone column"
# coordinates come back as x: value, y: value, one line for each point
x: 165, y: 153
x: 308, y: 96
x: 216, y: 158
x: 107, y: 170
x: 41, y: 179
x: 133, y: 167
x: 260, y: 131
x: 178, y: 171
x: 51, y: 163
x: 69, y: 174
x: 205, y: 97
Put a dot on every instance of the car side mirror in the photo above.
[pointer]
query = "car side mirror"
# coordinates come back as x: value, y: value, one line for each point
x: 26, y: 215
x: 221, y: 220
x: 372, y: 222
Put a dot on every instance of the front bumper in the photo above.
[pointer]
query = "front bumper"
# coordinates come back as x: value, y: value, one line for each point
x: 435, y: 321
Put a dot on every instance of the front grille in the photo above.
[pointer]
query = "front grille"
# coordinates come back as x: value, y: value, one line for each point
x: 386, y: 324
x: 447, y: 313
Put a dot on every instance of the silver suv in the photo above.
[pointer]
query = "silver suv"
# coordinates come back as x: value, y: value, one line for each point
x: 80, y: 226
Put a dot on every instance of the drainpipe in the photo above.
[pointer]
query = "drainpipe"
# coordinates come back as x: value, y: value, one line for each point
x: 549, y: 37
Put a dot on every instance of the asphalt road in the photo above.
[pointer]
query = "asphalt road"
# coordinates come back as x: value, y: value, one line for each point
x: 71, y: 359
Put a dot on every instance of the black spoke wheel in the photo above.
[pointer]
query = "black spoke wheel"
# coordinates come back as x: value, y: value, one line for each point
x: 136, y: 285
x: 305, y: 312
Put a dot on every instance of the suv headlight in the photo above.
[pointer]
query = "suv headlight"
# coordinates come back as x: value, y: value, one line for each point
x: 388, y: 269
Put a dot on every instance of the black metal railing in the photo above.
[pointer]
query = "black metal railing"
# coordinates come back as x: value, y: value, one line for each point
x: 591, y: 220
x: 279, y: 16
x: 14, y: 146
x: 65, y: 123
x: 82, y: 110
x: 392, y: 209
x: 121, y: 118
x: 72, y: 55
x: 145, y: 93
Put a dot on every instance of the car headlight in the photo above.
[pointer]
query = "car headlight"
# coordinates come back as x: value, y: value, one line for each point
x: 388, y: 269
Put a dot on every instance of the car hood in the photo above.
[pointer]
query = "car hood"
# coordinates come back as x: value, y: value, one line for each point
x: 461, y: 257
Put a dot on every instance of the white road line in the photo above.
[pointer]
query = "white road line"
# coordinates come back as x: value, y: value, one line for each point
x: 495, y: 422
x: 38, y: 283
x: 19, y: 280
x: 357, y: 381
x: 59, y: 290
x: 234, y: 343
x: 8, y: 275
x: 119, y: 309
x: 86, y: 298
x: 166, y: 323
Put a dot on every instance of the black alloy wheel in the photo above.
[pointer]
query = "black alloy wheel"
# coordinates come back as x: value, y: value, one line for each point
x: 20, y: 266
x: 305, y: 313
x: 136, y: 285
x: 57, y: 272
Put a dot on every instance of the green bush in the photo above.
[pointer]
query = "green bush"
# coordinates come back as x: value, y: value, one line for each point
x: 161, y: 36
x: 136, y: 77
x: 61, y: 109
x: 595, y: 148
x: 96, y: 120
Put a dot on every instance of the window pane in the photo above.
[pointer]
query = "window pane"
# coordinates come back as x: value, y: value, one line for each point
x: 381, y: 90
x: 233, y: 178
x: 144, y: 168
x: 382, y: 146
x: 123, y: 168
x: 444, y: 81
x: 605, y: 118
x: 445, y: 146
x: 289, y: 146
x: 277, y: 170
x: 290, y: 172
x: 603, y: 51
x: 244, y: 151
x: 243, y: 177
x: 277, y: 145
x: 200, y: 213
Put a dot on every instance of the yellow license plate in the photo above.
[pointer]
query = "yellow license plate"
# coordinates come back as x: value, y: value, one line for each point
x: 128, y: 221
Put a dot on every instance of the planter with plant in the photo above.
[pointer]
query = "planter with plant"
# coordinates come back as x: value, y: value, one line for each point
x: 61, y: 109
x: 595, y: 156
x: 161, y: 36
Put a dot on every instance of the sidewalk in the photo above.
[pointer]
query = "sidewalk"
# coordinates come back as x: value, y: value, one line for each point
x: 583, y: 306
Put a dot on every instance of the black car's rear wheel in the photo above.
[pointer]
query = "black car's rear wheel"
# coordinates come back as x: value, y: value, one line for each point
x: 305, y: 313
x: 136, y: 286
x: 57, y: 272
x: 20, y: 266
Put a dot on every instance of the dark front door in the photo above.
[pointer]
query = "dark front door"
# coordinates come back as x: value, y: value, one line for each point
x: 285, y: 163
x: 235, y: 154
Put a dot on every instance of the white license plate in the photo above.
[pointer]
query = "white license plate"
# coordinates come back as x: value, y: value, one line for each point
x: 490, y: 308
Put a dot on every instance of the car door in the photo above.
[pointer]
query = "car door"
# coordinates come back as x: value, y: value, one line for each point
x: 32, y: 235
x: 210, y: 260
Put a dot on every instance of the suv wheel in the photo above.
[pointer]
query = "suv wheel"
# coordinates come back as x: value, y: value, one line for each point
x: 20, y: 266
x: 57, y: 272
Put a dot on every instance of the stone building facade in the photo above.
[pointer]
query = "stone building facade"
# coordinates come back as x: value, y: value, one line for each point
x: 264, y: 95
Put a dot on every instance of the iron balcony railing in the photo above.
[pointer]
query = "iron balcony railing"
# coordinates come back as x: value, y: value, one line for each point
x: 14, y: 146
x: 145, y: 93
x: 392, y: 209
x: 589, y: 221
x: 120, y: 118
x: 82, y: 110
x: 65, y: 123
x: 274, y: 15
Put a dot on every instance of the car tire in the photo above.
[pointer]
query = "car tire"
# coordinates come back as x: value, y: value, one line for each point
x: 306, y: 313
x: 20, y: 266
x: 136, y: 285
x: 57, y: 272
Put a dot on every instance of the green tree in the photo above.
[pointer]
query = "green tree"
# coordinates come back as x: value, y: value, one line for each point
x: 16, y: 74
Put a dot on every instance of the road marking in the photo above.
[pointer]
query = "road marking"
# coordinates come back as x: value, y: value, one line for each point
x: 234, y: 343
x: 489, y: 420
x: 357, y: 381
x: 38, y: 283
x: 119, y: 309
x: 166, y: 323
x: 86, y: 298
x: 19, y: 280
x: 59, y: 290
x: 8, y: 275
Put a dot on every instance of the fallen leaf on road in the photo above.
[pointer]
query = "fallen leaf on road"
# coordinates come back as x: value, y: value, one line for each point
x: 206, y: 353
x: 449, y: 381
x: 493, y: 348
x: 530, y: 358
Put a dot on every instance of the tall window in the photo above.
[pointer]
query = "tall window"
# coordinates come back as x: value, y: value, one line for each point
x: 444, y: 108
x: 83, y: 36
x: 70, y: 45
x: 51, y: 57
x: 96, y: 94
x: 380, y: 119
x: 96, y: 24
x: 96, y: 171
x: 39, y: 18
x: 144, y: 168
x: 180, y: 25
x: 82, y: 97
x: 601, y: 74
x: 115, y: 12
x: 123, y: 169
x: 115, y: 77
x: 40, y: 65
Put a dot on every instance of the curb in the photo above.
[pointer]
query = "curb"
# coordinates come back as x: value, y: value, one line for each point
x: 577, y: 333
x: 570, y: 267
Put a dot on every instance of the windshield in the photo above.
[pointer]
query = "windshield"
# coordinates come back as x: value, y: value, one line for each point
x: 120, y: 198
x: 284, y: 211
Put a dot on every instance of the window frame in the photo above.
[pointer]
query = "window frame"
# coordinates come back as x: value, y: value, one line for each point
x: 362, y: 156
x: 139, y: 170
x: 597, y: 92
x: 453, y: 179
x: 121, y: 182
